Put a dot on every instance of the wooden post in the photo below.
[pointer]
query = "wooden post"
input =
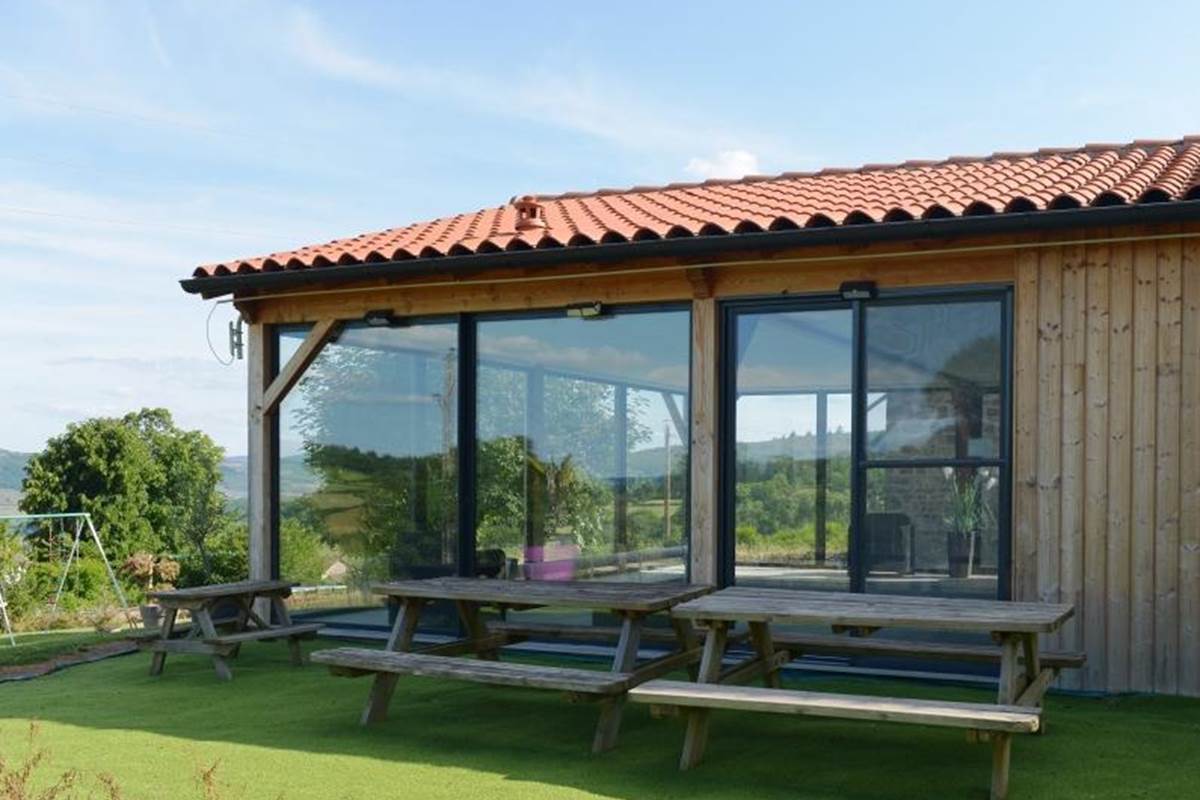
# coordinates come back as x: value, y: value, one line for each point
x: 625, y: 660
x: 1001, y: 755
x: 261, y: 456
x: 621, y: 468
x: 696, y: 738
x: 400, y: 640
x: 764, y: 646
x: 705, y: 526
x: 1011, y: 678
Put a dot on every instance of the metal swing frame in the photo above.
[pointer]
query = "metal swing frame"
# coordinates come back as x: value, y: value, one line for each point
x: 83, y: 521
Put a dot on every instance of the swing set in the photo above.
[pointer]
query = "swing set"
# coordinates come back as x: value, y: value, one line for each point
x: 56, y: 530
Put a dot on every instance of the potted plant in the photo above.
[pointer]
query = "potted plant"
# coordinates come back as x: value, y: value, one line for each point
x: 968, y: 515
x: 150, y: 573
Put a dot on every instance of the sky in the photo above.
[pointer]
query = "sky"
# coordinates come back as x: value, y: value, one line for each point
x: 139, y: 139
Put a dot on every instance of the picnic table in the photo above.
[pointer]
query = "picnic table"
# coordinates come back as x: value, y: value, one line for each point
x: 221, y: 638
x: 630, y: 603
x: 1015, y: 627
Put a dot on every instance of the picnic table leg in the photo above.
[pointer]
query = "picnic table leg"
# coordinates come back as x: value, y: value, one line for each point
x: 158, y: 659
x: 685, y: 632
x: 239, y: 624
x: 625, y: 660
x: 400, y: 640
x: 285, y: 619
x: 468, y: 612
x: 764, y: 646
x: 1001, y: 755
x: 203, y: 616
x: 696, y: 738
x: 1011, y: 677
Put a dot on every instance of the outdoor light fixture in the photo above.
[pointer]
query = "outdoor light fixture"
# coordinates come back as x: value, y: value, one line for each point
x: 381, y: 318
x: 857, y: 290
x: 585, y: 310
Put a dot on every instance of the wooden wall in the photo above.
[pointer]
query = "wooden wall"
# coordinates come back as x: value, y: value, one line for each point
x: 1107, y: 455
x: 1106, y: 410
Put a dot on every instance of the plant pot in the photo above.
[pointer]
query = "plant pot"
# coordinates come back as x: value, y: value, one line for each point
x: 958, y: 550
x: 151, y: 616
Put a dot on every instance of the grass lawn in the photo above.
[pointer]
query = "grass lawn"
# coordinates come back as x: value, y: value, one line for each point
x: 34, y: 647
x: 276, y: 731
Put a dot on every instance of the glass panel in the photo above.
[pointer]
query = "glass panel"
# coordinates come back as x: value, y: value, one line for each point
x: 368, y: 488
x: 932, y: 531
x: 792, y: 493
x: 934, y: 377
x: 582, y: 460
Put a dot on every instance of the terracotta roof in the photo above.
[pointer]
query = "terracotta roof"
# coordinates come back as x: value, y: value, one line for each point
x: 962, y: 186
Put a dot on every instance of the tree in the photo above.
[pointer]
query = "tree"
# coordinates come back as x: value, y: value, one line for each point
x: 148, y: 485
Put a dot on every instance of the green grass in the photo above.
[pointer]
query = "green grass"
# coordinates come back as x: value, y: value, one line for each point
x: 34, y: 647
x: 276, y: 731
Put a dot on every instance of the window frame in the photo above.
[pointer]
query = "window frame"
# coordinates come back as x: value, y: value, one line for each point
x: 861, y: 463
x: 467, y: 438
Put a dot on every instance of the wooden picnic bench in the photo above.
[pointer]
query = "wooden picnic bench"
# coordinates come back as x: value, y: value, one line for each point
x: 1015, y: 627
x: 630, y: 603
x: 222, y: 638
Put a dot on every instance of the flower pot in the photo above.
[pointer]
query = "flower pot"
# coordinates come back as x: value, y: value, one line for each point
x: 958, y: 550
x: 151, y: 616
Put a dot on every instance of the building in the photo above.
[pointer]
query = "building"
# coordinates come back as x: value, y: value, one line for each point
x: 974, y: 377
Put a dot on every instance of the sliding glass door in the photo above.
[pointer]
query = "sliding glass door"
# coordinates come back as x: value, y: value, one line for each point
x: 869, y: 444
x: 793, y: 427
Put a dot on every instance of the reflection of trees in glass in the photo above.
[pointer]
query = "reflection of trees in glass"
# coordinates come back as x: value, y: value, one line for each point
x: 550, y: 465
x: 776, y: 501
x: 378, y: 429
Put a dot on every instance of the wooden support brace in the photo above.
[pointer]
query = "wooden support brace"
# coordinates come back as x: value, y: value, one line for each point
x: 322, y: 331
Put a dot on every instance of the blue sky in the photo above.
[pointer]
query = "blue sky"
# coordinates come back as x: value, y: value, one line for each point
x: 138, y: 139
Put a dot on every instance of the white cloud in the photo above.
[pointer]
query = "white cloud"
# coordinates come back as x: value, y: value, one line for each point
x: 725, y: 164
x: 566, y: 97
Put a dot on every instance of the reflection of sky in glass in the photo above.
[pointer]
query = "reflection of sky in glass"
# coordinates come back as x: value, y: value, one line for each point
x: 392, y: 410
x: 794, y: 351
x: 631, y: 348
x: 921, y: 345
x: 648, y: 352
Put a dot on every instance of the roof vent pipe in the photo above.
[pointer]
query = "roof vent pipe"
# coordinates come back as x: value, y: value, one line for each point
x: 530, y: 213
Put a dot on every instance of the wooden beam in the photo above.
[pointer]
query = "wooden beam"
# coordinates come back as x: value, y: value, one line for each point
x: 1189, y: 474
x: 1071, y: 457
x: 702, y: 280
x: 1166, y: 477
x: 1095, y: 508
x: 704, y: 413
x: 1025, y: 403
x: 1120, y: 468
x: 261, y: 454
x: 1145, y: 384
x: 322, y: 332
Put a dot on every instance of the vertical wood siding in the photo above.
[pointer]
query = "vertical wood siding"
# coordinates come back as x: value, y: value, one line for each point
x: 1107, y: 463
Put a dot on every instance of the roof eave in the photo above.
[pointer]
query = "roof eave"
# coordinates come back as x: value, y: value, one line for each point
x: 706, y: 247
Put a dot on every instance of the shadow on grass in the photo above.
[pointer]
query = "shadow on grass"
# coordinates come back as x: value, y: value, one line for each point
x: 1094, y: 748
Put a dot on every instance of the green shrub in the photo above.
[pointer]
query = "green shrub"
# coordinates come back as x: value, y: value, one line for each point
x: 87, y: 586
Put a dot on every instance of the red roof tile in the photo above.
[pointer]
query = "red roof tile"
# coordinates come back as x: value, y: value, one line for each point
x: 1093, y: 175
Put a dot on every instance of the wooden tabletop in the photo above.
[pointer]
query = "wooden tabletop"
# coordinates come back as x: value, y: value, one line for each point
x: 219, y: 590
x: 746, y: 604
x: 626, y: 596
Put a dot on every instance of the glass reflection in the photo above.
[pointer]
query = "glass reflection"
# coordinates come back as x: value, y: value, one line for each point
x: 792, y: 496
x: 368, y: 442
x: 933, y: 531
x: 582, y: 447
x: 934, y: 380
